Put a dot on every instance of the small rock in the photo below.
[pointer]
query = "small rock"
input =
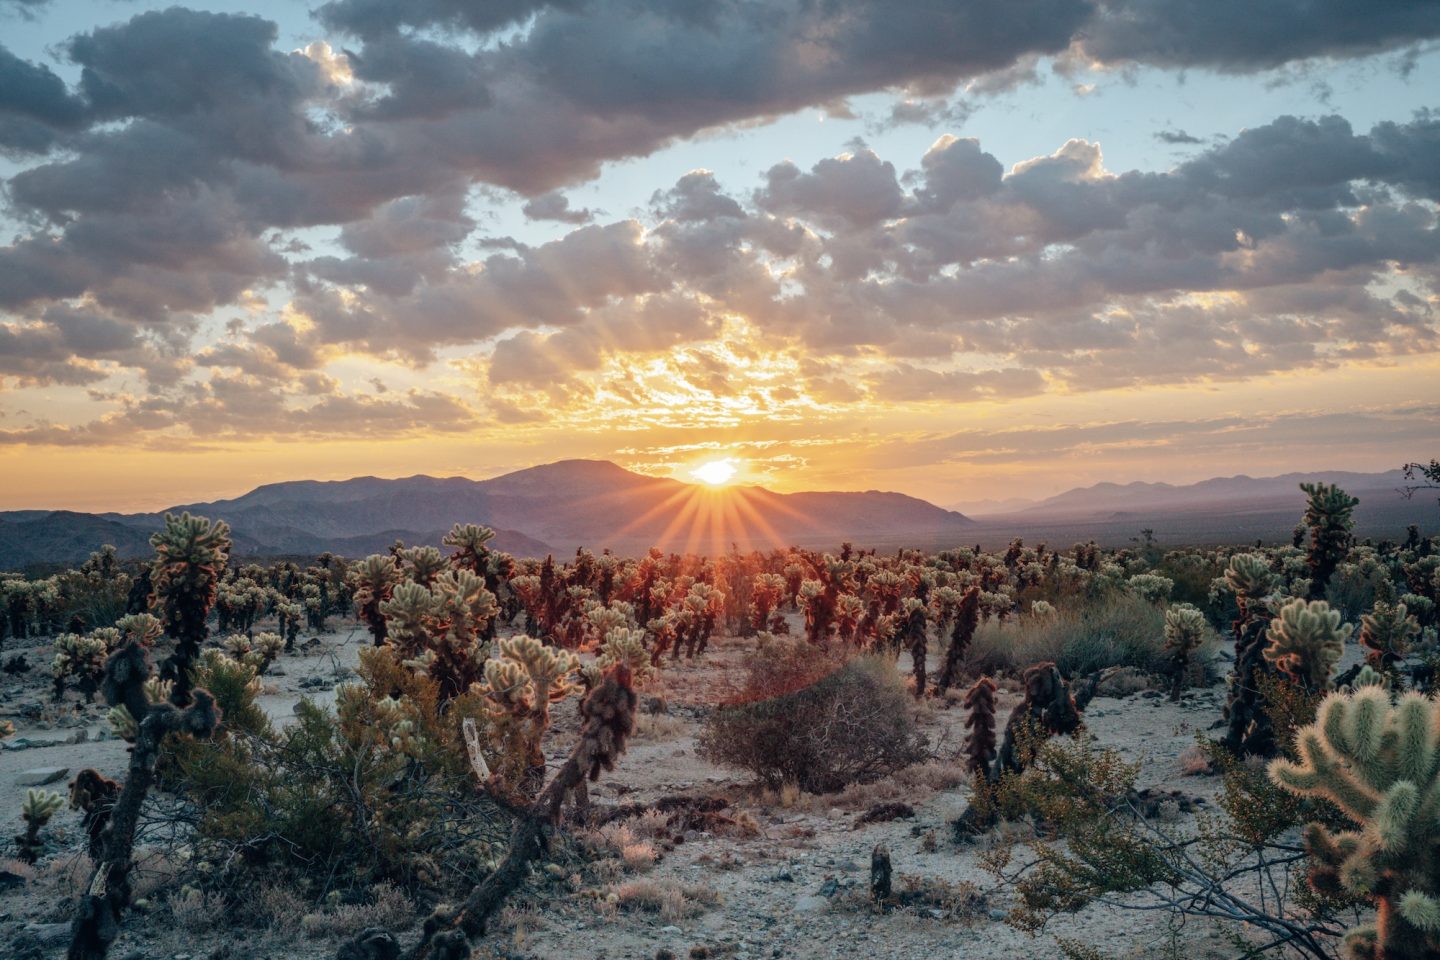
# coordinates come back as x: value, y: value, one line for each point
x: 997, y: 914
x: 49, y: 934
x: 670, y: 931
x: 79, y: 736
x: 829, y: 887
x: 41, y: 776
x: 811, y: 904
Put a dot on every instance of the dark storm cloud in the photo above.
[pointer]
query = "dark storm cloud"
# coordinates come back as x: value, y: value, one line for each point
x: 1243, y: 36
x: 35, y: 106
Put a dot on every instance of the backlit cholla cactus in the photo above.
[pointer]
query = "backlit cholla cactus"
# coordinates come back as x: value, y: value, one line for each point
x: 703, y: 604
x: 258, y: 652
x: 438, y: 630
x: 410, y: 615
x: 190, y: 553
x: 519, y: 687
x: 849, y: 613
x: 422, y: 564
x: 601, y: 619
x: 38, y: 808
x: 469, y: 540
x: 767, y: 593
x: 80, y: 660
x: 288, y: 615
x: 623, y: 645
x: 1150, y: 587
x: 1379, y: 763
x: 1385, y: 634
x: 142, y: 628
x: 375, y: 579
x: 1329, y: 515
x: 1185, y: 629
x: 1306, y: 641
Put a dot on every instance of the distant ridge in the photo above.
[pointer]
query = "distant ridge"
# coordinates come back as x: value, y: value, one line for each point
x: 552, y: 508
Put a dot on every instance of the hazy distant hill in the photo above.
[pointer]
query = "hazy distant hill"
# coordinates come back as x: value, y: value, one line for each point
x: 1224, y: 509
x: 550, y: 508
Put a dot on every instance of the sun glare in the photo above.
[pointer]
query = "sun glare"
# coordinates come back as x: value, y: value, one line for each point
x: 716, y: 473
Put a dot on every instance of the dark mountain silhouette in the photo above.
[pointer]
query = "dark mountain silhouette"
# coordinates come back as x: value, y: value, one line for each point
x: 552, y: 508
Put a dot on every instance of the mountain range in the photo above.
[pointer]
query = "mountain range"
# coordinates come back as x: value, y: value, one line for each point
x: 546, y: 509
x: 557, y: 507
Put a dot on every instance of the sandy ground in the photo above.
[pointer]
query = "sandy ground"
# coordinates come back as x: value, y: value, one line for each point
x: 794, y: 888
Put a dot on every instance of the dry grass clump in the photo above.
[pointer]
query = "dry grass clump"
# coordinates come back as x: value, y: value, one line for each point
x: 854, y: 725
x: 1116, y: 630
x: 196, y: 911
x: 658, y: 726
x: 388, y: 908
x: 671, y: 901
x: 618, y: 840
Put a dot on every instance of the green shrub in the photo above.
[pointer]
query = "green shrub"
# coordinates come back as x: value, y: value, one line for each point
x: 854, y: 725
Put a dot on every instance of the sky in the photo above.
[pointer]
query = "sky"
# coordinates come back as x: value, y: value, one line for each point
x: 964, y: 249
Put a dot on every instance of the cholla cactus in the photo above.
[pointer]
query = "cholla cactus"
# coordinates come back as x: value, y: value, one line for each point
x: 39, y: 807
x: 190, y: 553
x: 600, y: 620
x: 980, y: 741
x: 1048, y: 709
x: 1249, y: 732
x: 1379, y: 763
x: 518, y: 688
x: 287, y: 616
x: 1249, y: 575
x: 1329, y: 515
x: 1185, y: 628
x: 914, y: 636
x: 469, y: 541
x: 1306, y: 641
x: 1150, y: 587
x: 375, y: 578
x: 80, y: 658
x: 767, y: 592
x: 626, y: 646
x: 409, y: 615
x: 94, y: 795
x: 422, y: 564
x: 967, y: 618
x: 1385, y: 634
x: 257, y: 653
x: 142, y: 628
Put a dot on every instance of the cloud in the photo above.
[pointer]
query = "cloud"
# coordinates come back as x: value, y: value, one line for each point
x: 321, y: 203
x: 555, y: 206
x: 1177, y: 137
x: 1237, y: 36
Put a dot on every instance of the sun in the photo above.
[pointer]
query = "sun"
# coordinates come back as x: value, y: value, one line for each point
x: 717, y: 473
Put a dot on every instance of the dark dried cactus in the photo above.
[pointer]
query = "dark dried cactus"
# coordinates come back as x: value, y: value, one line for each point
x: 1048, y: 708
x: 967, y: 618
x: 980, y: 741
x: 94, y: 795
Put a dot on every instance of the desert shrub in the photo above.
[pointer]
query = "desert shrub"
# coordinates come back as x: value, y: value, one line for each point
x: 378, y: 789
x: 854, y: 725
x: 1115, y: 630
